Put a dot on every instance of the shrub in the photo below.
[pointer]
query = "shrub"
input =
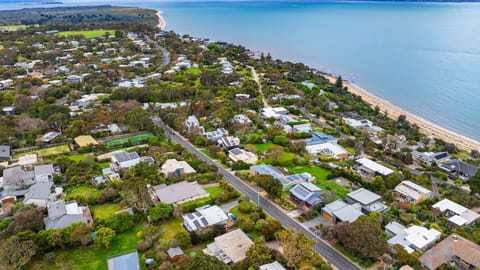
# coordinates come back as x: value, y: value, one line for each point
x: 142, y: 246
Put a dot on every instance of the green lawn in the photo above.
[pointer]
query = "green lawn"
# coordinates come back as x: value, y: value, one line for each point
x: 79, y: 157
x: 321, y: 178
x: 87, y: 33
x: 12, y: 27
x: 193, y: 71
x: 263, y: 147
x: 91, y: 258
x: 83, y: 194
x: 104, y: 210
x: 171, y: 227
x: 286, y: 156
x: 48, y: 151
x: 214, y: 191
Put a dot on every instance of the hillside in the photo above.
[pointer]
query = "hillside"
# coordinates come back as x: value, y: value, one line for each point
x: 78, y: 15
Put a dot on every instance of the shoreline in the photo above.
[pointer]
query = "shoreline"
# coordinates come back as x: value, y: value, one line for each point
x: 394, y: 111
x: 161, y: 21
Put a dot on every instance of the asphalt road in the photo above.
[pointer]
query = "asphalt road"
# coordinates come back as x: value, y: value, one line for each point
x: 165, y: 53
x: 322, y: 247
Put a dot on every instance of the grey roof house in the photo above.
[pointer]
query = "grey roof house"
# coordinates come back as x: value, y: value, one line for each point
x: 459, y: 169
x: 5, y: 153
x: 62, y: 214
x: 124, y: 262
x: 369, y: 201
x: 39, y: 194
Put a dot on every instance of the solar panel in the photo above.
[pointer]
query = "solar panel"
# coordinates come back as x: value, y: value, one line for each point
x: 197, y: 224
x: 204, y: 221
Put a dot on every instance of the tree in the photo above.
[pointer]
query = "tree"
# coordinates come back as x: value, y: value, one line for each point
x: 203, y: 261
x: 393, y: 180
x: 77, y: 128
x: 135, y: 193
x: 160, y: 211
x: 58, y: 121
x: 271, y: 185
x: 339, y: 82
x: 275, y: 152
x: 363, y: 237
x: 104, y: 236
x: 139, y: 119
x: 298, y: 249
x: 183, y: 239
x: 15, y: 253
x: 475, y: 183
x: 149, y: 173
x: 82, y: 234
x: 258, y: 254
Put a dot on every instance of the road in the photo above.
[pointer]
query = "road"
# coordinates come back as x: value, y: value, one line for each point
x: 260, y: 88
x: 322, y: 247
x: 165, y: 53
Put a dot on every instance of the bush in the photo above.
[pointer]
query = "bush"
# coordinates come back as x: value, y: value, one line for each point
x: 245, y: 224
x: 142, y: 246
x: 191, y: 206
x: 245, y: 207
x: 119, y: 222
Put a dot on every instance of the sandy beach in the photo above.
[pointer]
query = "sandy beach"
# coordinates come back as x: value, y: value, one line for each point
x: 161, y: 21
x: 426, y: 127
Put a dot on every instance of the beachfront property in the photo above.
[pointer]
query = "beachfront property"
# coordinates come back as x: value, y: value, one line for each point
x: 413, y: 238
x: 369, y: 202
x: 407, y: 191
x: 177, y: 193
x: 456, y: 214
x: 205, y: 216
x: 362, y: 124
x: 460, y: 169
x: 239, y: 154
x: 453, y: 250
x: 430, y: 158
x: 369, y: 168
x: 175, y: 167
x: 287, y: 181
x: 230, y: 247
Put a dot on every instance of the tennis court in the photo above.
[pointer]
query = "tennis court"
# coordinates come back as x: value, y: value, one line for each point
x: 135, y: 140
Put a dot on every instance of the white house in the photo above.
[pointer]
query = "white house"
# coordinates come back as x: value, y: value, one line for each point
x: 203, y: 217
x: 407, y: 191
x: 124, y: 160
x: 413, y: 238
x: 328, y: 149
x: 173, y: 166
x: 457, y: 214
x: 370, y: 168
x: 239, y: 154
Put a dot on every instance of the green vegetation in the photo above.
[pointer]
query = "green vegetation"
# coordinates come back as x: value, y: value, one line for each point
x: 87, y: 33
x: 263, y: 147
x: 134, y: 140
x: 92, y: 258
x: 103, y: 211
x: 83, y: 194
x: 51, y: 151
x: 214, y: 191
x: 171, y: 228
x: 321, y: 179
x: 12, y: 27
x: 80, y: 157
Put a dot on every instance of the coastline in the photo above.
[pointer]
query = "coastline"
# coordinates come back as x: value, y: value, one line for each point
x: 161, y: 21
x: 425, y: 126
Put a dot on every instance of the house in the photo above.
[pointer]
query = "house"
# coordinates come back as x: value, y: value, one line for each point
x: 230, y: 247
x: 110, y: 174
x: 369, y: 201
x: 62, y: 214
x: 204, y: 216
x: 173, y: 166
x: 117, y: 128
x: 16, y: 181
x: 327, y: 149
x: 43, y: 173
x: 6, y: 83
x: 430, y: 158
x: 270, y: 112
x: 413, y: 238
x: 362, y: 124
x: 39, y: 194
x: 73, y: 79
x: 321, y: 138
x: 306, y: 194
x: 127, y: 261
x: 340, y: 211
x: 286, y: 181
x: 124, y: 160
x: 242, y: 119
x: 272, y: 266
x: 49, y: 136
x: 85, y: 140
x: 460, y: 169
x: 228, y: 142
x: 454, y: 250
x: 407, y: 191
x: 301, y: 128
x: 178, y: 193
x: 5, y: 153
x: 192, y: 125
x: 239, y: 154
x: 370, y: 168
x: 456, y: 214
x: 216, y: 134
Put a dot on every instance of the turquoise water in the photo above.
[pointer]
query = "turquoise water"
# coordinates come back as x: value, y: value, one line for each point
x: 422, y: 57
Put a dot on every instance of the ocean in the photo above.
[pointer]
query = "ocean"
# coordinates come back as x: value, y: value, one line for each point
x: 422, y: 57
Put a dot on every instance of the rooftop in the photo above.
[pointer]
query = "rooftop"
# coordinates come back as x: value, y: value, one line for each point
x: 175, y: 166
x: 85, y: 140
x: 204, y: 217
x: 124, y: 262
x: 234, y: 244
x: 125, y: 156
x: 461, y: 215
x: 374, y: 166
x: 179, y: 192
x: 364, y: 196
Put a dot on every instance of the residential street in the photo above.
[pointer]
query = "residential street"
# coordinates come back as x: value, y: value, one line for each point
x: 324, y: 249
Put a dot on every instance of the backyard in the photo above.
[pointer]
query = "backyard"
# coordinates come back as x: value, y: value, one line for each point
x: 104, y: 210
x: 321, y: 178
x: 45, y: 152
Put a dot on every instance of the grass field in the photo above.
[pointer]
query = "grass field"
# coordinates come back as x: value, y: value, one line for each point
x: 104, y: 210
x: 87, y: 33
x: 321, y: 179
x: 171, y: 227
x: 91, y: 258
x: 263, y: 147
x: 136, y: 139
x: 56, y: 150
x: 214, y: 191
x: 83, y: 194
x: 80, y: 157
x: 12, y: 27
